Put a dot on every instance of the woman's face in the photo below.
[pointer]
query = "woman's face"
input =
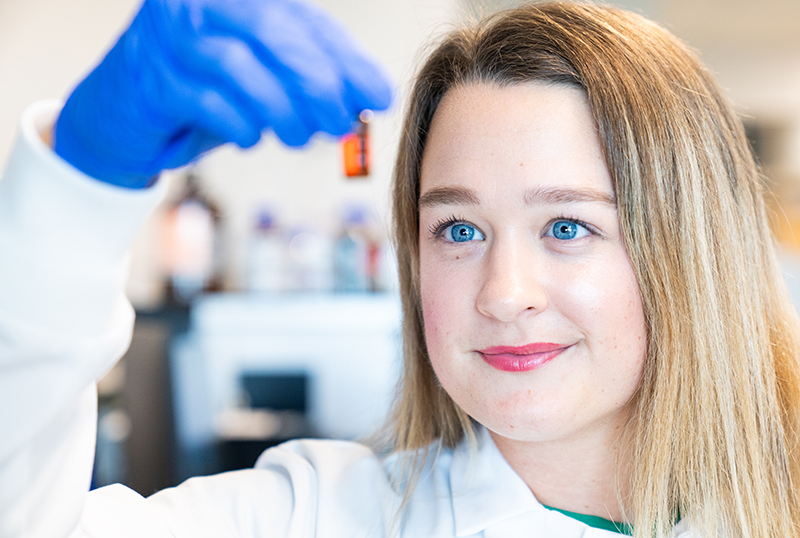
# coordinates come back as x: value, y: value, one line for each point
x: 533, y: 317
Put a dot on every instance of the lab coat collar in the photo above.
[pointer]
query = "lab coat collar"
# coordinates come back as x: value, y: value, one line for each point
x: 490, y: 497
x: 485, y: 488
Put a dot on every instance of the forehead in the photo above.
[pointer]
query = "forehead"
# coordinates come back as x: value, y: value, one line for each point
x: 526, y: 136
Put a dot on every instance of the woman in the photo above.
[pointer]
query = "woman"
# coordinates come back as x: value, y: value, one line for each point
x: 710, y: 432
x: 597, y: 341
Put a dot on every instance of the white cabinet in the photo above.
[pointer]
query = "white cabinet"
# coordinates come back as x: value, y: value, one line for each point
x: 349, y: 345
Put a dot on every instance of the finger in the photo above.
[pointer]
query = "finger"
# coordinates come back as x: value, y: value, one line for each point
x: 169, y: 85
x: 285, y: 46
x: 186, y: 146
x: 231, y: 64
x: 192, y: 97
x: 191, y: 101
x: 367, y: 84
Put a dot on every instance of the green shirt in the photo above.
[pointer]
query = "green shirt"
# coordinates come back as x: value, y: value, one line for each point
x: 598, y: 522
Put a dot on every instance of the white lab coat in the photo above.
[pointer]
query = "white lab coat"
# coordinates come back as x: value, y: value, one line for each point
x: 64, y: 320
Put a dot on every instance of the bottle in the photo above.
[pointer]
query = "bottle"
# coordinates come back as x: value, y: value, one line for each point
x: 352, y: 254
x: 309, y: 267
x: 266, y: 255
x: 355, y: 147
x: 190, y: 245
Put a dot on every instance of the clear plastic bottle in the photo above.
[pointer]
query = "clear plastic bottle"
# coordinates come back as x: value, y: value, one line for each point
x: 309, y: 261
x: 266, y: 255
x: 352, y: 254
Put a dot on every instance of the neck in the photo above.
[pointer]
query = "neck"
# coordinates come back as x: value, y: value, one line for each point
x: 587, y: 475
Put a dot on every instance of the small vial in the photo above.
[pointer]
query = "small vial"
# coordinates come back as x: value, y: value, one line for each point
x: 355, y: 147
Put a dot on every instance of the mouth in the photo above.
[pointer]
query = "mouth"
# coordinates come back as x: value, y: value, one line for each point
x: 521, y: 358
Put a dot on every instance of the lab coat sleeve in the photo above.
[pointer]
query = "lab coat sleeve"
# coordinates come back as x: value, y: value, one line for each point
x: 64, y: 320
x: 300, y: 489
x: 251, y: 503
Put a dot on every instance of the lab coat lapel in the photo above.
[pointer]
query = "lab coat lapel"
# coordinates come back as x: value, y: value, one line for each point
x: 490, y: 497
x: 485, y: 489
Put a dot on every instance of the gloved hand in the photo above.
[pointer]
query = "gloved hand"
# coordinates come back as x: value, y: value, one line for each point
x: 189, y: 75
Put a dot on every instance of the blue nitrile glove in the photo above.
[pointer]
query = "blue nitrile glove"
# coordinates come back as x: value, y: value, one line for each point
x: 189, y: 75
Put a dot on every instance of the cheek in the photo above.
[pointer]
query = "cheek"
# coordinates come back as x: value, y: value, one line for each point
x: 434, y: 300
x: 609, y: 310
x: 626, y: 326
x: 626, y: 335
x: 436, y: 315
x: 446, y: 304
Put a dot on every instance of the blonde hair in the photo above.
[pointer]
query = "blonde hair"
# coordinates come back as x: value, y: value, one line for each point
x: 715, y: 424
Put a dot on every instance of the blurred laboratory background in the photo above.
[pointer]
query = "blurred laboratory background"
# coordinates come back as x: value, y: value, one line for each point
x: 265, y: 284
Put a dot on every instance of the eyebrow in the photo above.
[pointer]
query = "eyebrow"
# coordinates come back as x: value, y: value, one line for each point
x: 558, y: 195
x: 542, y: 195
x: 448, y: 196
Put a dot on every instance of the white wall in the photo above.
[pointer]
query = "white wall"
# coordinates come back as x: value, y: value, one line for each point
x: 45, y: 47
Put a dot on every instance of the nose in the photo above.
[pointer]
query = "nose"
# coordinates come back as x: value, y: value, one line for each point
x: 512, y: 282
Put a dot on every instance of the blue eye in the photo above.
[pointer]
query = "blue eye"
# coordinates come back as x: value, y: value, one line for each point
x: 566, y: 230
x: 461, y: 233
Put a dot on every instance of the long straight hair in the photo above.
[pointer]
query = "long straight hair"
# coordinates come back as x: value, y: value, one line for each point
x: 715, y: 423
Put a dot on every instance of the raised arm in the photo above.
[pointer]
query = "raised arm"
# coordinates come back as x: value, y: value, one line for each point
x: 187, y: 76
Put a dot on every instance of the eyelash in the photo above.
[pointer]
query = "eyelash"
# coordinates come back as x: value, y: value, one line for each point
x: 437, y: 229
x: 588, y: 227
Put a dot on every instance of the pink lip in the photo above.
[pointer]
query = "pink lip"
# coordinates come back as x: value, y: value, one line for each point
x: 521, y: 358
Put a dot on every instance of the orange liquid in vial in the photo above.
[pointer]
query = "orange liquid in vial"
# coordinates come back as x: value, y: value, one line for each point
x: 355, y: 148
